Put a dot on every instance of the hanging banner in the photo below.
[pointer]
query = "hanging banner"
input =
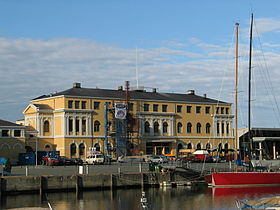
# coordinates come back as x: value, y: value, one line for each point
x: 120, y: 111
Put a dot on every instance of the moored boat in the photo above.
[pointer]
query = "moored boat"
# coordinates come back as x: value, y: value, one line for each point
x: 241, y: 179
x: 236, y: 179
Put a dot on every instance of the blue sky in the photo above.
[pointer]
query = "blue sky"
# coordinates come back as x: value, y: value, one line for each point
x: 45, y: 46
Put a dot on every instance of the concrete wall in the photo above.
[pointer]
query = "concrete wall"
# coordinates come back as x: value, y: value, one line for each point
x: 79, y: 182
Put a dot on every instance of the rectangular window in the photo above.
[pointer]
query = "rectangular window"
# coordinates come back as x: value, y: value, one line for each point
x: 179, y: 108
x: 217, y: 110
x: 96, y: 105
x: 84, y: 104
x: 222, y: 110
x: 77, y: 124
x: 164, y: 108
x: 207, y: 110
x: 77, y: 104
x: 84, y: 126
x: 189, y: 109
x: 155, y: 107
x: 227, y: 110
x: 70, y: 122
x: 146, y: 107
x: 5, y: 132
x: 17, y: 133
x: 198, y: 109
x: 70, y: 104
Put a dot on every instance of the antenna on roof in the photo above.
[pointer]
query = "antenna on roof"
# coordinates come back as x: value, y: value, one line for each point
x: 136, y: 67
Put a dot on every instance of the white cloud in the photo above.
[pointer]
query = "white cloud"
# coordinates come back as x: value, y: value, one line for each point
x: 265, y: 25
x: 30, y: 68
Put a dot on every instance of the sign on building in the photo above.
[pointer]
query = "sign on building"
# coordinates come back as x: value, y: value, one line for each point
x: 120, y: 111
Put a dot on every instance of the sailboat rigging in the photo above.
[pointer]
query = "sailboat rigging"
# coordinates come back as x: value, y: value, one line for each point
x: 229, y: 179
x: 249, y: 89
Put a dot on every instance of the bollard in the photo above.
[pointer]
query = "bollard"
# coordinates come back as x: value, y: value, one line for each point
x: 26, y: 171
x: 86, y: 169
x: 81, y: 169
x: 140, y: 167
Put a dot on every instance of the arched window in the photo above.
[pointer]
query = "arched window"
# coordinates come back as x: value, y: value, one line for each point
x: 81, y: 149
x: 226, y: 148
x: 96, y: 126
x: 73, y: 149
x: 227, y: 129
x: 97, y: 147
x: 179, y: 127
x: 179, y: 146
x: 198, y: 146
x: 48, y: 147
x: 208, y: 126
x: 147, y: 127
x: 220, y: 148
x: 189, y: 127
x: 198, y: 128
x: 46, y: 126
x: 165, y: 127
x: 218, y: 128
x: 208, y: 146
x: 189, y: 146
x: 156, y: 126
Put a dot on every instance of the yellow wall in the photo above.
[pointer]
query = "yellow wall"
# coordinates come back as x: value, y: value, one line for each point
x: 62, y: 143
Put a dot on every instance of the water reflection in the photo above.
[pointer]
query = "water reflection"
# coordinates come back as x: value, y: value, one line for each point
x: 181, y: 198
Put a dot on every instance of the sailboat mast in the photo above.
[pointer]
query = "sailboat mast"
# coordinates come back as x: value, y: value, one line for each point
x: 236, y: 93
x: 249, y: 88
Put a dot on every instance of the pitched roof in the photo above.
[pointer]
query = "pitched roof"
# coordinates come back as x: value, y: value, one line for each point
x: 7, y: 123
x: 42, y: 106
x: 134, y: 95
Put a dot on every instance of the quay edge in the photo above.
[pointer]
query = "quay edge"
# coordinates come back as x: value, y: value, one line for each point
x: 80, y: 182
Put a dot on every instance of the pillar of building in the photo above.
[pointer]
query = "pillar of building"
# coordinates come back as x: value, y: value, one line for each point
x: 260, y: 149
x: 274, y: 150
x: 160, y: 127
x: 74, y: 125
x: 151, y: 127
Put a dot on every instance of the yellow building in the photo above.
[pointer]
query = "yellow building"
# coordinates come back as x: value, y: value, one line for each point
x: 12, y: 140
x: 72, y: 121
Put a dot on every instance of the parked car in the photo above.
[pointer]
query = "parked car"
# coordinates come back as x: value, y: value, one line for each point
x: 191, y: 158
x: 95, y: 159
x: 216, y: 159
x: 147, y: 158
x: 229, y: 157
x: 77, y: 161
x: 51, y: 161
x: 129, y: 159
x: 158, y: 159
x: 170, y: 157
x: 64, y: 161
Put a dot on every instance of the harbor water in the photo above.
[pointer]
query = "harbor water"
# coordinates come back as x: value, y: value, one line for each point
x: 183, y: 198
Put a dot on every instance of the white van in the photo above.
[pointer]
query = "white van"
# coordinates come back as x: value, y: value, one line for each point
x: 95, y: 159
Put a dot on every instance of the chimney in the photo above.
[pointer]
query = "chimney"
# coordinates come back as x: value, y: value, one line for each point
x: 76, y: 85
x: 120, y: 87
x: 190, y: 92
x: 204, y: 95
x: 154, y: 90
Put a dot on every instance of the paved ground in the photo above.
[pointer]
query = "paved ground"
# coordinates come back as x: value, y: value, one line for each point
x: 113, y: 168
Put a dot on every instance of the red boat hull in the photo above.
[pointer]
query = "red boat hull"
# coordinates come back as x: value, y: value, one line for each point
x: 231, y: 179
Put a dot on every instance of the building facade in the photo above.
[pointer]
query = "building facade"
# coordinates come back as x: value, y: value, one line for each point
x: 12, y: 140
x: 74, y: 122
